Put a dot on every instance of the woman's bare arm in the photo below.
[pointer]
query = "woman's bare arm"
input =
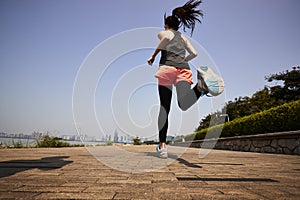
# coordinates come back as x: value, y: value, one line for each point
x: 164, y: 38
x: 189, y: 47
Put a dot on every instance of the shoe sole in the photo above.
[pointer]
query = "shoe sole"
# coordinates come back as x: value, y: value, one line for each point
x: 163, y: 156
x: 213, y: 82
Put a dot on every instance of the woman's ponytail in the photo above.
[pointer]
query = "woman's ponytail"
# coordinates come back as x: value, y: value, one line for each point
x: 188, y: 15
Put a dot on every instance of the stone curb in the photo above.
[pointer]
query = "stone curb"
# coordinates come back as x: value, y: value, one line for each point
x: 280, y: 143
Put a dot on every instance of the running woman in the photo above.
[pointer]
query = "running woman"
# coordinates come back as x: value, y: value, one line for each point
x: 174, y: 68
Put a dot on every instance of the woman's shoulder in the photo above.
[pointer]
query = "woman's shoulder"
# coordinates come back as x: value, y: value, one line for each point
x: 184, y: 38
x: 165, y: 33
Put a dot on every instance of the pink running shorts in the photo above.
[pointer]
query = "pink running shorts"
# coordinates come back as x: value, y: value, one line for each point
x: 167, y: 75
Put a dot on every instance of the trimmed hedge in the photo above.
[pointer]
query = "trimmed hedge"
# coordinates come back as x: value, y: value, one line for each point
x: 281, y: 118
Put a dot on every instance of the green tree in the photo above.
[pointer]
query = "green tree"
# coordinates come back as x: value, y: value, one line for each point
x: 290, y: 91
x: 204, y: 123
x: 136, y: 141
x: 238, y: 108
x: 261, y: 100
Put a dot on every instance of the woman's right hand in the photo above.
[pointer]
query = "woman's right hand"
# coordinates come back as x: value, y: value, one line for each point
x: 150, y: 60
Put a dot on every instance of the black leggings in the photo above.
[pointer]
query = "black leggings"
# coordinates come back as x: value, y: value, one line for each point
x: 186, y: 97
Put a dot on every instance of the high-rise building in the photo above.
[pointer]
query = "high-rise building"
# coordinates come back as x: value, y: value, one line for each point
x: 116, y: 136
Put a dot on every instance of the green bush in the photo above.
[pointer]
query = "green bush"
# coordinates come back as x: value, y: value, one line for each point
x: 137, y: 141
x: 48, y: 141
x: 109, y: 143
x: 281, y: 118
x: 17, y: 144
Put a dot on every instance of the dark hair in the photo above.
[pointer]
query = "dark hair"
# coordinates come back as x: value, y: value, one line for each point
x: 186, y: 15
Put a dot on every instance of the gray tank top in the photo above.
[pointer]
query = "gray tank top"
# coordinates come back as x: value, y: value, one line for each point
x: 174, y: 53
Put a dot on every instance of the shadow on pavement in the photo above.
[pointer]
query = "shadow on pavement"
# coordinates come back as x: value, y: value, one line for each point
x: 12, y: 167
x: 226, y: 179
x: 188, y: 164
x: 175, y: 157
x: 207, y: 179
x: 218, y: 163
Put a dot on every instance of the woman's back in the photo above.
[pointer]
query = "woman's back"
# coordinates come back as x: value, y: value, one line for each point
x: 174, y: 52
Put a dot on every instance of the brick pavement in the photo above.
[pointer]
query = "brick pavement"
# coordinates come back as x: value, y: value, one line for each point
x: 73, y: 173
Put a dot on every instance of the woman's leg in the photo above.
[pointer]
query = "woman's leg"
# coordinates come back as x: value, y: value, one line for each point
x: 186, y: 96
x: 165, y: 97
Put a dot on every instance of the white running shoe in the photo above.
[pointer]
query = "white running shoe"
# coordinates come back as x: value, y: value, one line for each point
x: 162, y: 152
x: 209, y: 81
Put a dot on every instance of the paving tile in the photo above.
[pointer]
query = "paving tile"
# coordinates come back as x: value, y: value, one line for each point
x: 90, y: 195
x: 73, y: 173
x: 18, y: 195
x: 55, y: 189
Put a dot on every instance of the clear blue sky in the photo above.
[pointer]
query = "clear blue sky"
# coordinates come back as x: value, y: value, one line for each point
x: 44, y: 43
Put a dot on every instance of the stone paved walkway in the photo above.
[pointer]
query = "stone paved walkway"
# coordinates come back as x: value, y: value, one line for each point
x: 79, y: 173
